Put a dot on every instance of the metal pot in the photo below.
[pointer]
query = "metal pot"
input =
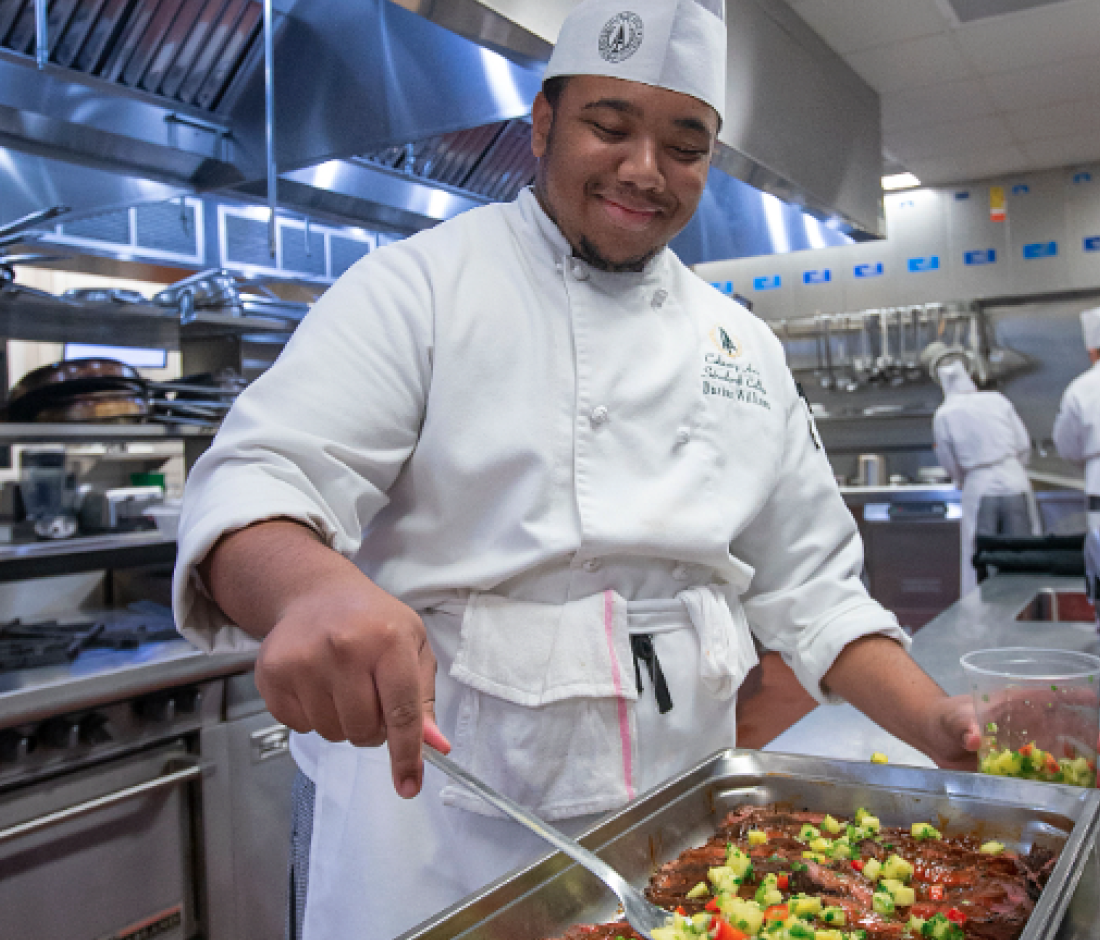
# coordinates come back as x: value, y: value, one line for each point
x: 872, y: 470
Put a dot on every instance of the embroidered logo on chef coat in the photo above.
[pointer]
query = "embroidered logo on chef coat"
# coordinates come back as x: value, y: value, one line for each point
x: 727, y: 375
x: 730, y: 345
x: 621, y: 36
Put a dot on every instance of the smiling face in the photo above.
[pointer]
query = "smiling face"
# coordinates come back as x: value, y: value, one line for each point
x: 622, y: 166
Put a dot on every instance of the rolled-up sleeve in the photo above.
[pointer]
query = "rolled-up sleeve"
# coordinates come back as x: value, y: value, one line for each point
x: 321, y: 436
x: 806, y: 599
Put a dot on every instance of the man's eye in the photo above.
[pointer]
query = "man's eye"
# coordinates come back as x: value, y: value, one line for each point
x: 606, y: 131
x: 689, y: 153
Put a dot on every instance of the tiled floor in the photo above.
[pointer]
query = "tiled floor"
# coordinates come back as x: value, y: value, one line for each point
x: 770, y: 703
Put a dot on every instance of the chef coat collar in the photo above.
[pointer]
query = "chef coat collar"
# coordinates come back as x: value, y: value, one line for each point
x: 552, y: 238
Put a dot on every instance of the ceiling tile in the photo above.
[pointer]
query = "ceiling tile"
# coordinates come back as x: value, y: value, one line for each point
x: 950, y: 139
x: 945, y: 171
x: 1037, y: 86
x: 913, y: 64
x: 935, y: 104
x: 1069, y: 119
x: 1063, y: 151
x: 1043, y: 36
x: 848, y: 25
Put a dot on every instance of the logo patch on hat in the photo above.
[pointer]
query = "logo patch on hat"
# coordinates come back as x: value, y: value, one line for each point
x: 621, y: 36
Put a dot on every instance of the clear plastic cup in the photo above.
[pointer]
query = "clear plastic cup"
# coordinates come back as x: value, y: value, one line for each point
x: 1039, y: 713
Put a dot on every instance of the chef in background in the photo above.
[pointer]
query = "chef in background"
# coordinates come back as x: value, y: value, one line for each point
x: 981, y: 441
x: 1077, y: 436
x: 525, y: 484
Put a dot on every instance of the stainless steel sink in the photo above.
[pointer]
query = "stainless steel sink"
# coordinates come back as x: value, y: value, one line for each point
x: 1050, y: 606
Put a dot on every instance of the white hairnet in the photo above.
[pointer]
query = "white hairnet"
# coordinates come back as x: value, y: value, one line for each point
x: 1090, y: 326
x: 955, y: 378
x: 675, y: 44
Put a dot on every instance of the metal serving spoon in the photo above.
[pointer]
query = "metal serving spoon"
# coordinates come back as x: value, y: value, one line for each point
x: 642, y: 915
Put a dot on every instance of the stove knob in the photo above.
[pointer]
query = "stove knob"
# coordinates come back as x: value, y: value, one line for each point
x: 188, y: 700
x: 14, y: 745
x: 60, y: 733
x: 157, y: 708
x: 94, y: 729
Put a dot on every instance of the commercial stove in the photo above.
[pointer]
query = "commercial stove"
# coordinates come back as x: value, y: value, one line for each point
x: 128, y: 761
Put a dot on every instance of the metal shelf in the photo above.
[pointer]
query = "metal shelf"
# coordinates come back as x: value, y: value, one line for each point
x: 19, y: 562
x: 92, y: 433
x: 30, y: 315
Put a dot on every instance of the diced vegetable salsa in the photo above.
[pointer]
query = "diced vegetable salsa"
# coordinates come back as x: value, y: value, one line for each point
x: 1032, y: 763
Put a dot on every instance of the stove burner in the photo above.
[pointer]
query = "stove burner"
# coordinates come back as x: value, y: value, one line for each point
x: 26, y: 646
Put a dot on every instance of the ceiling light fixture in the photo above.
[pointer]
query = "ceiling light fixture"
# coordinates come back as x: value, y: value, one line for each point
x: 900, y: 181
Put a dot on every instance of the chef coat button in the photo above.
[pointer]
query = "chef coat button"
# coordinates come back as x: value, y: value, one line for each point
x: 593, y: 564
x: 683, y: 435
x: 599, y: 415
x: 580, y: 272
x: 559, y: 267
x: 680, y: 573
x: 659, y: 297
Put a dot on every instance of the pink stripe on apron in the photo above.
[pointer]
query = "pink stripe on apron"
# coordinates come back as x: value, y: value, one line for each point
x: 624, y: 718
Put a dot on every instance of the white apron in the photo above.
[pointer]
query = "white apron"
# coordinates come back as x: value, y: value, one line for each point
x: 1007, y: 478
x: 379, y: 865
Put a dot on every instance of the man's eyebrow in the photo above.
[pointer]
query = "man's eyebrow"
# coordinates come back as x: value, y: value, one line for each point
x: 626, y: 107
x: 615, y: 104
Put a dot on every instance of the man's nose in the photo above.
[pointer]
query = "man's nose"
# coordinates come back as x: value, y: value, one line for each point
x: 640, y: 166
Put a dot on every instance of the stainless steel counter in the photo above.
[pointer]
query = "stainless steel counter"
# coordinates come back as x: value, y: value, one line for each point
x: 986, y: 618
x: 101, y: 676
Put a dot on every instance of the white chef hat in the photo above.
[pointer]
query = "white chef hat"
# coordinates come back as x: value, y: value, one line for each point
x: 954, y: 376
x: 1090, y: 326
x: 675, y: 44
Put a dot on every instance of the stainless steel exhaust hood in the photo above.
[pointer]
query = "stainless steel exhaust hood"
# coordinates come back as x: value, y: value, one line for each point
x: 384, y: 118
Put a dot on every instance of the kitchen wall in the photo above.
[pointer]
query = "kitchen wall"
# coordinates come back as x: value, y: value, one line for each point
x: 942, y: 245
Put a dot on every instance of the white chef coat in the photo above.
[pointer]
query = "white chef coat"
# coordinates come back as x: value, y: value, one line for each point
x: 1077, y: 427
x: 983, y: 444
x: 474, y: 410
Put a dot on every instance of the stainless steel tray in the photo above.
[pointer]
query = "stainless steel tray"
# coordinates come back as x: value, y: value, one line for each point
x: 544, y: 899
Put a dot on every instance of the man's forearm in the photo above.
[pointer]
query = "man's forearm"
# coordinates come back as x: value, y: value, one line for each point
x: 255, y: 572
x: 878, y: 677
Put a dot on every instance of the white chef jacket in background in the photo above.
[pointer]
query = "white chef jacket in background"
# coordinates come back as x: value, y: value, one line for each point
x: 981, y: 441
x: 474, y: 410
x: 1077, y: 427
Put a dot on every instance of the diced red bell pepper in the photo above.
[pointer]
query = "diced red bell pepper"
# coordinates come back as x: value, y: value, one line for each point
x: 680, y: 910
x: 1026, y: 750
x: 712, y: 905
x: 857, y: 864
x: 722, y: 930
x: 782, y: 881
x: 1050, y: 765
x: 777, y: 912
x: 956, y: 916
x: 935, y: 892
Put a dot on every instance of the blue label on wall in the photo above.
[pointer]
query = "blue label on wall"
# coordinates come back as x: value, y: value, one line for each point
x: 1082, y: 177
x: 959, y: 197
x: 931, y: 263
x: 986, y: 256
x: 1021, y: 189
x: 869, y: 270
x: 1041, y: 250
x: 817, y: 277
x: 726, y: 287
x: 767, y: 283
x: 1092, y: 244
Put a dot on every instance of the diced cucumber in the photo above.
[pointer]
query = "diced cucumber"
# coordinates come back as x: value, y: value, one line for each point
x: 882, y: 902
x: 699, y: 891
x: 822, y: 845
x: 897, y: 868
x: 870, y: 824
x: 872, y: 868
x: 915, y: 923
x: 835, y: 915
x: 828, y: 935
x: 808, y: 832
x: 991, y: 848
x: 879, y: 758
x: 860, y: 813
x: 903, y: 896
x: 798, y: 930
x: 925, y: 831
x: 757, y: 837
x: 768, y: 897
x: 830, y: 825
x: 701, y: 921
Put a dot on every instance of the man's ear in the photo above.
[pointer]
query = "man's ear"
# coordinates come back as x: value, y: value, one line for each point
x: 542, y: 116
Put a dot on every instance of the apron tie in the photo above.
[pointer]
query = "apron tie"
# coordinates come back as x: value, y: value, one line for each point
x: 641, y: 644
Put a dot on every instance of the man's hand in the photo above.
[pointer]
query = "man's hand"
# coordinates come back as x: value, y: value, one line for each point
x: 953, y: 735
x: 340, y: 656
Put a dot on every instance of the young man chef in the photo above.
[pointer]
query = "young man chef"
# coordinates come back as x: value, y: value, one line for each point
x: 1077, y: 426
x: 499, y: 457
